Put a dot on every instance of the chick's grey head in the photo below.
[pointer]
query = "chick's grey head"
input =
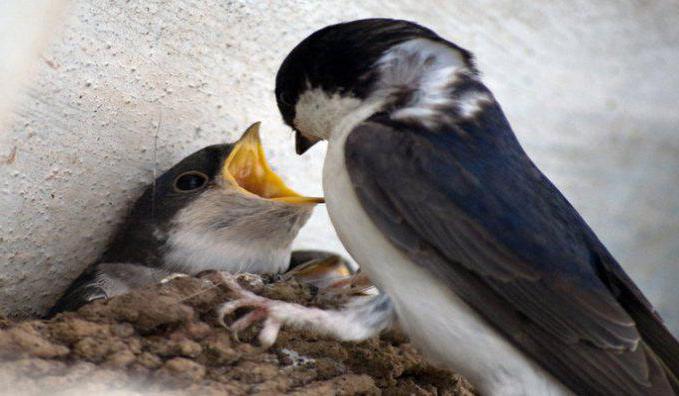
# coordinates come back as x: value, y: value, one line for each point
x: 362, y: 67
x: 220, y: 208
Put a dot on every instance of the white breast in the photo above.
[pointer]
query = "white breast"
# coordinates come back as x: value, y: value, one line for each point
x: 441, y: 325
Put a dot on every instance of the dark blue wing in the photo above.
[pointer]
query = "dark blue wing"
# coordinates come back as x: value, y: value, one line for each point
x: 466, y: 203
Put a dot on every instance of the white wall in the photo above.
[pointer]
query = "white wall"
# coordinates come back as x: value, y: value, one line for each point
x: 590, y: 88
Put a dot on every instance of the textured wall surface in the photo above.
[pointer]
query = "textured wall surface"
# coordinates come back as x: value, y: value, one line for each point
x: 125, y: 87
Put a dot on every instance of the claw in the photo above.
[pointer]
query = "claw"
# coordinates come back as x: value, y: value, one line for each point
x: 246, y: 299
x: 249, y: 319
x: 231, y: 306
x: 354, y: 323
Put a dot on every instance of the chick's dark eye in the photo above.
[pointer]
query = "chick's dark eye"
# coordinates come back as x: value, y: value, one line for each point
x: 190, y: 181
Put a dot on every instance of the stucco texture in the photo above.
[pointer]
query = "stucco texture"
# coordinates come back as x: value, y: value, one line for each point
x: 124, y: 89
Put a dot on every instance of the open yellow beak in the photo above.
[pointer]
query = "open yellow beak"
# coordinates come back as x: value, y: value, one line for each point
x: 247, y: 168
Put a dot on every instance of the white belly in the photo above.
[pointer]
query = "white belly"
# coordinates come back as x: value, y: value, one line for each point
x: 441, y: 325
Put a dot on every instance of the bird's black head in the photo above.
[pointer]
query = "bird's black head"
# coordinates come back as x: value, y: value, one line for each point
x: 216, y: 183
x: 340, y: 59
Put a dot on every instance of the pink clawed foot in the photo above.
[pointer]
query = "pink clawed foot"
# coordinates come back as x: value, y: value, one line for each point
x: 363, y: 319
x: 261, y: 312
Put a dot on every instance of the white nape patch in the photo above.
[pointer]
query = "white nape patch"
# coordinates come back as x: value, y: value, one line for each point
x: 427, y: 69
x: 470, y: 104
x: 423, y: 67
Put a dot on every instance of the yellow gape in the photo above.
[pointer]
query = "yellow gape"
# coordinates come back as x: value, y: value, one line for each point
x: 247, y: 168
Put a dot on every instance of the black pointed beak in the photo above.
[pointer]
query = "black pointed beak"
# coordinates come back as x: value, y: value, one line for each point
x: 302, y: 143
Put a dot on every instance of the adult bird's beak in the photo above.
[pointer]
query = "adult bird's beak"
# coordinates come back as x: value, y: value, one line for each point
x: 247, y: 168
x: 303, y: 143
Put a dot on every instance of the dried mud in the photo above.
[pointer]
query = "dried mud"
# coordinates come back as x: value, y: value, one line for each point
x: 166, y: 339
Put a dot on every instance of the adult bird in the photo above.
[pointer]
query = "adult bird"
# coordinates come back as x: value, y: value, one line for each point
x: 491, y: 271
x: 220, y: 208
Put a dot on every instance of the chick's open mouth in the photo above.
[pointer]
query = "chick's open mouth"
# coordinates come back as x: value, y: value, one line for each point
x: 247, y: 168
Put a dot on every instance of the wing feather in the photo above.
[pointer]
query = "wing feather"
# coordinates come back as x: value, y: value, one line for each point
x: 474, y: 210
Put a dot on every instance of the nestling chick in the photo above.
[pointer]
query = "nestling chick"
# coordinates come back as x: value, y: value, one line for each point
x: 221, y: 208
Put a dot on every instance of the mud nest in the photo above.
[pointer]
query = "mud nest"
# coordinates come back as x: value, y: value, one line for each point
x: 166, y: 339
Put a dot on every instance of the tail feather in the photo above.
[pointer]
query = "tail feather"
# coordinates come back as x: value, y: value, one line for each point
x: 662, y: 342
x: 83, y: 290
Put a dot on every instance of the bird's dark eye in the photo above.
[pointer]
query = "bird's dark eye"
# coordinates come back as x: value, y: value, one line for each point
x: 284, y: 98
x: 190, y: 181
